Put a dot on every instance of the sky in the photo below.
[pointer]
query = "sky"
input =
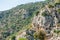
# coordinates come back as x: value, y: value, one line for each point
x: 8, y: 4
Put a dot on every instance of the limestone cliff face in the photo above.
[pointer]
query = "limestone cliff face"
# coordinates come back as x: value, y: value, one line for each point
x: 47, y: 18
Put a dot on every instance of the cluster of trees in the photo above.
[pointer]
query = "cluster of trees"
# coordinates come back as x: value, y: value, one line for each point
x: 36, y: 34
x: 40, y: 34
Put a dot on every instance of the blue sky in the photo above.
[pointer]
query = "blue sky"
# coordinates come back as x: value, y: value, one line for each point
x: 8, y: 4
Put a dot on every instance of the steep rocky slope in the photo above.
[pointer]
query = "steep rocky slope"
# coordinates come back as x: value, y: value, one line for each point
x: 26, y: 19
x: 15, y: 19
x: 47, y: 19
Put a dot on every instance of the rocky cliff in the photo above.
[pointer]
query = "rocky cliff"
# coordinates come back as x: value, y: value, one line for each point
x: 48, y: 18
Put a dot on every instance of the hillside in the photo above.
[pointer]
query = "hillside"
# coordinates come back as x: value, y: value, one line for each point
x: 31, y: 21
x: 15, y: 19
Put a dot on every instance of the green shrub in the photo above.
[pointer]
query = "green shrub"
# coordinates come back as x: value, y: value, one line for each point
x: 40, y: 35
x: 58, y: 11
x: 57, y: 31
x: 50, y: 6
x: 22, y: 39
x: 13, y: 38
x: 44, y: 14
x: 36, y: 13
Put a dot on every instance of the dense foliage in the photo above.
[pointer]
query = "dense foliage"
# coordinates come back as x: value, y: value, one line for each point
x: 40, y: 34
